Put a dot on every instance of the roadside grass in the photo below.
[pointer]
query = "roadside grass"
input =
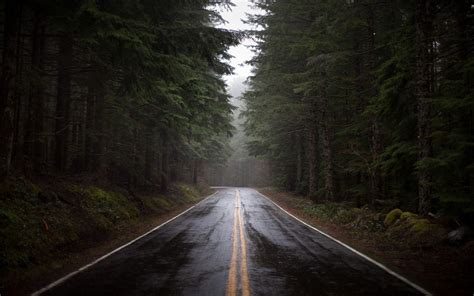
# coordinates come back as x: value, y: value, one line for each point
x: 42, y: 224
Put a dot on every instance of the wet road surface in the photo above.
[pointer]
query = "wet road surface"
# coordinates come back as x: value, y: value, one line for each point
x: 234, y: 243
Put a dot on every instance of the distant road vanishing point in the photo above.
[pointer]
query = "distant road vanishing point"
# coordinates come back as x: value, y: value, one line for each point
x: 235, y: 242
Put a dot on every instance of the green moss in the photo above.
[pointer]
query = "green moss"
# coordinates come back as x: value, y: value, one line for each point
x: 416, y: 231
x: 392, y: 217
x: 408, y: 216
x: 107, y: 207
x: 157, y: 203
x: 187, y: 192
x: 421, y: 225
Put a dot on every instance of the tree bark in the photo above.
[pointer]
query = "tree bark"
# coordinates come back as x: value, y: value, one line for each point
x: 63, y: 101
x: 325, y: 134
x: 312, y: 159
x: 90, y: 143
x: 299, y: 160
x: 7, y: 83
x: 423, y: 92
x: 100, y: 128
x: 39, y: 106
x: 149, y: 157
x: 34, y: 142
x: 375, y: 138
x: 165, y: 162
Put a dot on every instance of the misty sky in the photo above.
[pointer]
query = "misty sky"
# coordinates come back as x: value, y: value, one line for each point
x: 241, y: 52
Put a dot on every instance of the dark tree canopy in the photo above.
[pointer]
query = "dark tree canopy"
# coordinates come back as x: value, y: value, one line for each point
x: 366, y: 101
x: 128, y: 89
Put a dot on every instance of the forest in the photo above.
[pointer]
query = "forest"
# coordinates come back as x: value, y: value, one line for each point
x: 128, y: 165
x: 110, y: 114
x: 129, y: 90
x: 367, y: 101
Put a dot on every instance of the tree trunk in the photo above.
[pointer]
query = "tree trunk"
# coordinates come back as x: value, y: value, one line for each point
x: 325, y: 134
x: 375, y: 139
x: 313, y: 174
x: 63, y: 101
x: 20, y: 106
x: 327, y: 161
x: 423, y: 92
x: 159, y: 161
x: 100, y: 128
x: 165, y: 162
x: 7, y: 83
x: 40, y: 141
x: 149, y: 157
x: 90, y: 123
x: 34, y: 146
x: 376, y: 149
x: 299, y: 160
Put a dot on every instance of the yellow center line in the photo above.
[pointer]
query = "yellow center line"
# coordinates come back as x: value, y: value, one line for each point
x: 238, y: 232
x: 244, y: 276
x: 232, y: 279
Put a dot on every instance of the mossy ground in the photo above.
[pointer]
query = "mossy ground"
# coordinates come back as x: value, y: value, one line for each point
x: 401, y: 227
x: 39, y: 221
x: 413, y: 230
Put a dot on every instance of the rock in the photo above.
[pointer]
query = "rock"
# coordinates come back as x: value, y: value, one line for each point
x: 420, y: 225
x: 392, y: 217
x: 459, y: 235
x: 408, y: 216
x: 414, y: 230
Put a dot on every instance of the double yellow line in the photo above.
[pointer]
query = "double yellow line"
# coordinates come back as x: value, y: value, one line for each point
x: 238, y: 235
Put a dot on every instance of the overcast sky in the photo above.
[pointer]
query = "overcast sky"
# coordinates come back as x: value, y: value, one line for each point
x: 241, y: 52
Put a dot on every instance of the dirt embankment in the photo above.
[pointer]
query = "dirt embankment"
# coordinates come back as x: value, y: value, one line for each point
x: 411, y: 245
x: 49, y: 229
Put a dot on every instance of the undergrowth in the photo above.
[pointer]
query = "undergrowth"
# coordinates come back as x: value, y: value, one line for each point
x: 401, y: 228
x: 38, y: 221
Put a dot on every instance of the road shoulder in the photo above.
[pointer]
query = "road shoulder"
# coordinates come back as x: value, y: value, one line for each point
x: 75, y: 257
x: 440, y: 270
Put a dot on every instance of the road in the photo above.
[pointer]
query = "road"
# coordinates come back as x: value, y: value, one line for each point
x: 236, y: 242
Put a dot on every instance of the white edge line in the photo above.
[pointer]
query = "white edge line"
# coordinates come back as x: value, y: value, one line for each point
x: 70, y: 275
x: 388, y: 270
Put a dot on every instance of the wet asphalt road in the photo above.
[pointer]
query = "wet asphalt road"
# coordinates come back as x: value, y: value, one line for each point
x: 234, y: 244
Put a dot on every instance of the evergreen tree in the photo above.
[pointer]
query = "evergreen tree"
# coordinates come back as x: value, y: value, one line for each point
x: 373, y: 100
x: 132, y: 90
